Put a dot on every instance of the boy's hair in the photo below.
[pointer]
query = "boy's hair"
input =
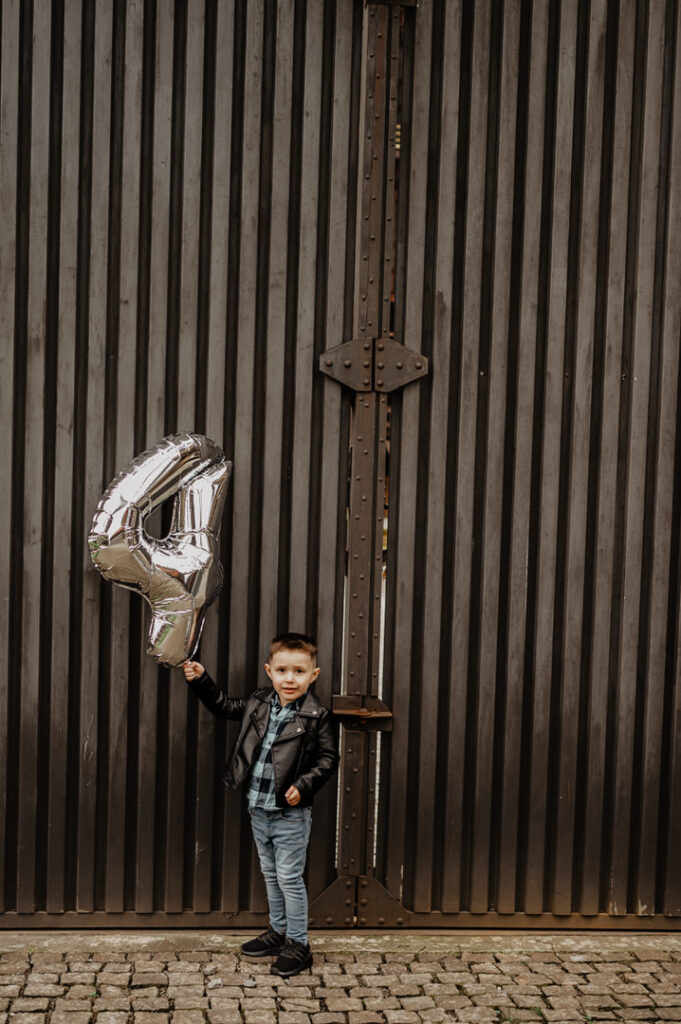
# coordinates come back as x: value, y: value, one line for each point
x: 294, y: 642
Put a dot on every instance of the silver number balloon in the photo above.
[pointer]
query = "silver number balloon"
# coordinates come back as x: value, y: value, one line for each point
x: 180, y: 575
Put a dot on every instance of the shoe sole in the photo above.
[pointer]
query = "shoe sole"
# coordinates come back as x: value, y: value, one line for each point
x: 291, y: 974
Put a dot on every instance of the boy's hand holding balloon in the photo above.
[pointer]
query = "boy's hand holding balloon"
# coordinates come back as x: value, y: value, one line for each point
x: 192, y: 669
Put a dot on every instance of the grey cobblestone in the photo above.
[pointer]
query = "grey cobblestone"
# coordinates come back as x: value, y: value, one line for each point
x: 476, y: 980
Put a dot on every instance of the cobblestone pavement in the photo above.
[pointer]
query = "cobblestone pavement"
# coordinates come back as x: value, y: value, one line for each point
x: 199, y: 977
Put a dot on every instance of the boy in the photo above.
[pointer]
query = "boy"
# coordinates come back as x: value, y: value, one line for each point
x: 287, y: 749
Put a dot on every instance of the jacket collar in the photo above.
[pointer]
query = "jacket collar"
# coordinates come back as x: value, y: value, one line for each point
x: 310, y: 705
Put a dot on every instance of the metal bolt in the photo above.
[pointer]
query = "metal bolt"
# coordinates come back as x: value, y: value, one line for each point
x: 400, y: 920
x: 419, y: 365
x: 347, y: 362
x: 329, y: 920
x: 367, y: 381
x: 400, y: 365
x: 329, y: 362
x: 381, y: 920
x: 380, y: 383
x: 381, y: 365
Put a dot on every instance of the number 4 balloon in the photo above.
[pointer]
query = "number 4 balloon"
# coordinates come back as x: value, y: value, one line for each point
x: 180, y: 575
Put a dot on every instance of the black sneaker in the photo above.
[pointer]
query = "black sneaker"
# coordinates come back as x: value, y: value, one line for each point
x: 268, y: 944
x: 293, y: 959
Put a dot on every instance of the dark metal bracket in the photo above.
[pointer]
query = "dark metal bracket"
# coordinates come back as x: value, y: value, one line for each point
x: 357, y: 899
x: 373, y: 364
x: 362, y: 711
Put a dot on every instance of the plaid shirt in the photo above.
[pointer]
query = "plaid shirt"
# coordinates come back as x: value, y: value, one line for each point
x: 261, y: 786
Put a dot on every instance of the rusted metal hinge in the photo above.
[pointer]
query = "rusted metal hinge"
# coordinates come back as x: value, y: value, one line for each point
x: 373, y: 364
x: 362, y: 711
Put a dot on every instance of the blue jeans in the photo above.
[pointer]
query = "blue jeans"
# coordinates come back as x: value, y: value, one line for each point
x: 281, y: 838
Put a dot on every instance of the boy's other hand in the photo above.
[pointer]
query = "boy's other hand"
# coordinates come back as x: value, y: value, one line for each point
x: 192, y: 669
x: 292, y: 796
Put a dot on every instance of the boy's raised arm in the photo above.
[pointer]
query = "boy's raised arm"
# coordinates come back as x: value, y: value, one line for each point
x: 215, y: 699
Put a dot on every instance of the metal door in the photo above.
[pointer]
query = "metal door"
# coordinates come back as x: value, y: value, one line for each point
x: 416, y: 266
x: 514, y: 758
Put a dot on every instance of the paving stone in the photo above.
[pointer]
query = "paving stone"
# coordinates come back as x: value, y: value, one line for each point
x: 7, y: 991
x: 144, y: 1017
x: 190, y: 1002
x: 110, y: 1017
x: 72, y: 978
x: 76, y: 991
x: 292, y: 1017
x: 27, y: 1018
x: 188, y: 1017
x: 70, y: 1017
x: 382, y: 1003
x: 329, y: 1018
x: 112, y: 967
x: 401, y: 1017
x: 112, y: 1003
x: 344, y: 1003
x: 72, y: 1005
x: 224, y: 1016
x: 150, y: 1003
x: 221, y: 1003
x: 476, y: 1015
x: 365, y: 1017
x: 41, y: 990
x: 140, y: 980
x: 260, y: 1017
x: 24, y: 1003
x: 301, y: 1005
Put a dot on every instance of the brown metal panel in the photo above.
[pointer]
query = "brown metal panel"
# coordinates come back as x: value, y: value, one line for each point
x: 523, y: 309
x: 29, y: 660
x: 493, y: 370
x: 597, y: 194
x: 657, y: 476
x: 671, y: 880
x: 405, y: 441
x: 632, y: 447
x: 243, y: 516
x: 277, y: 200
x: 330, y: 409
x: 550, y: 341
x: 56, y: 840
x: 608, y: 350
x: 122, y: 330
x: 152, y: 685
x: 577, y: 400
x: 447, y: 34
x: 211, y: 363
x: 9, y: 121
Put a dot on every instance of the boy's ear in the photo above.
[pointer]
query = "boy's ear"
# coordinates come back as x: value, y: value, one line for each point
x: 316, y: 673
x: 268, y: 670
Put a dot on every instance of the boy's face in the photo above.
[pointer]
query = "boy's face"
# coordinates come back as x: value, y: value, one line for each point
x: 291, y: 672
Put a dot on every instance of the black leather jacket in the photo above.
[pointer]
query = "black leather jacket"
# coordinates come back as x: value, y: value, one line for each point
x: 304, y: 754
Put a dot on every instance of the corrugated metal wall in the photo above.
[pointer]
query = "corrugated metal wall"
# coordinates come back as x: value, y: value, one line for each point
x: 175, y: 233
x: 177, y: 247
x: 533, y: 663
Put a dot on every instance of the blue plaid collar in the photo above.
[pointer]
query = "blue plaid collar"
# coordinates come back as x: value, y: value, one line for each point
x: 293, y: 705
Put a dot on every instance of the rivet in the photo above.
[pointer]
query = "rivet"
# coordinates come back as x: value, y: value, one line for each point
x: 380, y: 383
x: 367, y: 345
x: 311, y: 920
x: 400, y: 920
x: 348, y: 920
x: 329, y: 362
x: 348, y: 884
x: 347, y: 362
x: 329, y: 920
x: 367, y: 364
x: 381, y: 920
x: 363, y: 902
x: 381, y: 365
x: 419, y: 366
x: 400, y: 365
x: 367, y: 381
